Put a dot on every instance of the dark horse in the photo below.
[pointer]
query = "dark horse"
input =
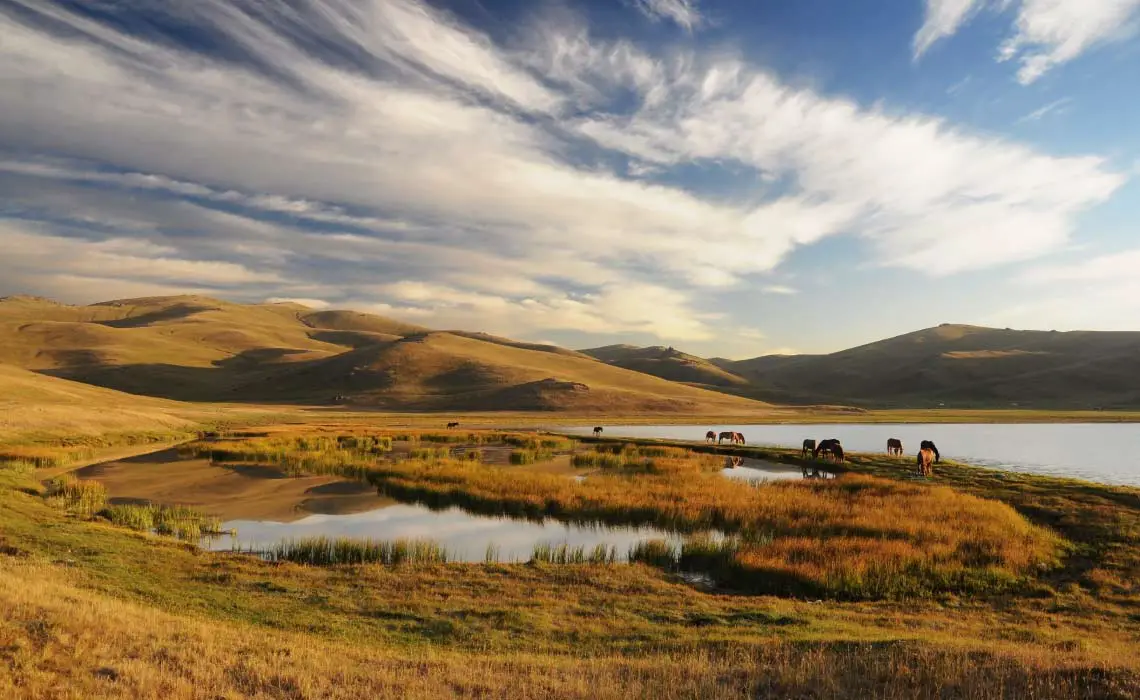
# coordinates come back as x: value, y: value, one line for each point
x: 710, y: 436
x: 597, y: 430
x: 928, y: 445
x: 894, y: 447
x: 809, y: 446
x: 453, y: 424
x: 926, y: 457
x: 829, y: 447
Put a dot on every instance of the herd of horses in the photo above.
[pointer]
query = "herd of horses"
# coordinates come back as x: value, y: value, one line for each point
x: 831, y: 448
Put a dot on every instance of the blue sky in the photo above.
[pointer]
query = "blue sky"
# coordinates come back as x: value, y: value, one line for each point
x: 731, y: 178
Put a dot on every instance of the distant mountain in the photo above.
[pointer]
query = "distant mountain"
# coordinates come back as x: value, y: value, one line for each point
x: 959, y: 366
x: 667, y: 363
x: 201, y: 349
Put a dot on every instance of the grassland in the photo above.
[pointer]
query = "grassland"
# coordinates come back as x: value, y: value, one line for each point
x: 90, y: 609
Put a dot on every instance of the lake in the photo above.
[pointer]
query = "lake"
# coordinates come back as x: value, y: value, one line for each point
x: 1104, y: 452
x: 464, y: 535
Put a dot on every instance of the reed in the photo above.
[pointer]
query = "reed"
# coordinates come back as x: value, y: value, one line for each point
x: 546, y: 553
x: 181, y: 522
x: 80, y: 497
x: 429, y: 453
x: 326, y: 551
x: 522, y: 457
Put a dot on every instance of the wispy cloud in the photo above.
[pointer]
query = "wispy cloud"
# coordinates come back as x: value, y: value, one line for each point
x: 1054, y: 107
x: 684, y: 12
x: 384, y: 155
x: 1045, y: 33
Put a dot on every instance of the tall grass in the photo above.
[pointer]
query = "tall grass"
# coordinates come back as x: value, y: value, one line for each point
x: 852, y: 537
x: 429, y: 452
x: 81, y: 497
x: 181, y: 522
x: 547, y: 553
x: 326, y: 551
x: 522, y: 457
x: 535, y: 442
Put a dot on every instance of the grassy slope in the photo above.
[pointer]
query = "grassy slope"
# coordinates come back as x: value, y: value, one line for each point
x: 961, y: 366
x: 90, y: 610
x: 200, y: 349
x: 667, y: 363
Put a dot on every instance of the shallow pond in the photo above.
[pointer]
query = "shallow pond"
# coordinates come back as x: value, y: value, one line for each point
x: 1104, y: 452
x: 465, y: 536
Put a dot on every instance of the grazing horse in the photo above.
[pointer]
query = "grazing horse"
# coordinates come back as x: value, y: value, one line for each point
x: 928, y: 445
x: 809, y: 446
x: 597, y: 430
x: 453, y: 424
x: 710, y: 437
x: 926, y: 457
x: 830, y: 447
x: 726, y: 435
x: 738, y: 438
x: 894, y: 447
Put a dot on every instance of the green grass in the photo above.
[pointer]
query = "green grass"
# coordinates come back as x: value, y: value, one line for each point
x: 327, y: 551
x: 546, y: 553
x: 84, y: 498
x: 181, y: 522
x: 523, y: 457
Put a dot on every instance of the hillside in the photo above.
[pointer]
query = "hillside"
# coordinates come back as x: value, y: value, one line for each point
x: 960, y: 366
x: 667, y: 363
x: 195, y: 348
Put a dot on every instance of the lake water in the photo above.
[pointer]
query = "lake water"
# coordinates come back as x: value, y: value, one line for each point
x: 465, y: 536
x: 1104, y: 452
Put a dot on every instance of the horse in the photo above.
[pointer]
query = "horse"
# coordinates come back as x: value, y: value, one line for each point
x: 830, y: 447
x: 733, y: 462
x: 737, y: 439
x: 597, y: 430
x: 809, y: 446
x: 926, y: 457
x: 710, y: 437
x: 928, y: 445
x: 453, y: 424
x: 726, y: 435
x: 894, y: 447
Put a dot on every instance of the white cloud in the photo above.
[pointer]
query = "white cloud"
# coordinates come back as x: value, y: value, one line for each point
x: 362, y: 147
x: 1108, y: 268
x: 684, y: 12
x: 1046, y: 33
x: 778, y: 289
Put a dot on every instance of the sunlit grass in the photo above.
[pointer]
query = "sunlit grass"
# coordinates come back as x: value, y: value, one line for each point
x: 329, y: 551
x: 83, y: 498
x: 181, y: 522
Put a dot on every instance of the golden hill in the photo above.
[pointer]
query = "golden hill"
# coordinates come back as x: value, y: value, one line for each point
x: 960, y: 366
x: 201, y: 349
x: 667, y: 363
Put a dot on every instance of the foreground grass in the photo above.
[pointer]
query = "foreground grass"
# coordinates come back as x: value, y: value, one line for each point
x: 91, y: 610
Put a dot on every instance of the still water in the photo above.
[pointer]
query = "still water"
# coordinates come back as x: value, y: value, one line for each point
x: 464, y: 535
x: 1104, y: 452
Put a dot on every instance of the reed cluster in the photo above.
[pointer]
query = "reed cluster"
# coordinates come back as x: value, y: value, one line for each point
x: 564, y: 553
x: 182, y: 522
x: 542, y: 443
x: 77, y: 496
x: 522, y: 457
x: 429, y: 453
x: 329, y: 551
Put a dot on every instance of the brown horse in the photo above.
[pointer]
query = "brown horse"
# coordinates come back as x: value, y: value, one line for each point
x: 738, y: 438
x: 726, y: 435
x: 830, y: 447
x: 928, y: 445
x: 710, y: 437
x: 809, y: 446
x: 597, y: 430
x: 453, y: 424
x: 894, y: 447
x: 924, y: 461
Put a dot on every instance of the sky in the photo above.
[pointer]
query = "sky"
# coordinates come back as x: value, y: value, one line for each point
x: 732, y: 178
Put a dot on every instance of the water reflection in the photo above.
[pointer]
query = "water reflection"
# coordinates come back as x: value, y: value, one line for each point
x: 465, y: 536
x: 1095, y: 451
x: 758, y: 470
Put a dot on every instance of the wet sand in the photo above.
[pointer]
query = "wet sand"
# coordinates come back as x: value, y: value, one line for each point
x: 230, y: 492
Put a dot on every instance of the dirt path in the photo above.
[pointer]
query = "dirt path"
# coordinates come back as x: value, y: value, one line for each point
x: 110, y: 455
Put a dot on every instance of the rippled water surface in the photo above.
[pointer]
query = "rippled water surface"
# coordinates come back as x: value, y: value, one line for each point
x: 1104, y: 452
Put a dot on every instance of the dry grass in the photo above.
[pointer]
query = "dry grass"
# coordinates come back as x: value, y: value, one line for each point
x: 60, y: 641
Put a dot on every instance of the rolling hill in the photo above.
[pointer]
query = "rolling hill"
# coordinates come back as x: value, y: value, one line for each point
x: 956, y: 366
x: 667, y: 363
x: 194, y: 348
